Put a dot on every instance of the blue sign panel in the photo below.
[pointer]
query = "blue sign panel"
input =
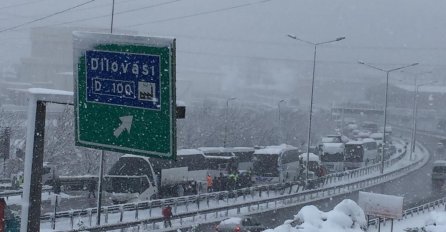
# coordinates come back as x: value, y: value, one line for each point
x: 123, y: 79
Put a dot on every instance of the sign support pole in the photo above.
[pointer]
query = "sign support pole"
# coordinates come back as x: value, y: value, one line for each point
x: 379, y: 224
x: 34, y: 161
x: 391, y: 226
x: 101, y: 176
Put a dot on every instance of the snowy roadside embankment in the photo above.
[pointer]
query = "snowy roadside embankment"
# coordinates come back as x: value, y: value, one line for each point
x: 347, y: 216
x: 434, y: 221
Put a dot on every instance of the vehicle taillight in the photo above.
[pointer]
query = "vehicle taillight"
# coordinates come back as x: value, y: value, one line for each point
x: 237, y: 228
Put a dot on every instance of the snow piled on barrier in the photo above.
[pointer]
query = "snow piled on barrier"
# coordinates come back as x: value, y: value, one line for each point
x: 347, y: 216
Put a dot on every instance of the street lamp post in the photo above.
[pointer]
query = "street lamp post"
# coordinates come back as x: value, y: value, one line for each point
x: 385, y: 106
x: 226, y: 119
x: 280, y: 128
x: 312, y: 88
x: 415, y: 115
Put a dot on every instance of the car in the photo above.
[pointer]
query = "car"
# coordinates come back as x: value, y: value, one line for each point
x: 439, y: 170
x: 440, y: 146
x: 240, y: 224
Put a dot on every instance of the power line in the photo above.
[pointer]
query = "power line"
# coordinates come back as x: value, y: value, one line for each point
x: 201, y: 13
x: 282, y: 59
x: 168, y: 19
x: 138, y: 9
x: 45, y: 17
x: 19, y: 4
x: 120, y: 12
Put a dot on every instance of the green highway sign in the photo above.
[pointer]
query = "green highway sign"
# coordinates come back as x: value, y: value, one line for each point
x: 125, y: 93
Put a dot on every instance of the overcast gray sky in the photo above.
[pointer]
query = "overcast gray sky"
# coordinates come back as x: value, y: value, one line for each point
x: 383, y: 32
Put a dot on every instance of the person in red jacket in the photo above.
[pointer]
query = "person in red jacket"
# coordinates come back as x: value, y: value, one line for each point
x: 167, y: 215
x: 2, y: 214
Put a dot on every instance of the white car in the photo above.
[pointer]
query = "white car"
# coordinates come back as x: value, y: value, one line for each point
x: 240, y: 224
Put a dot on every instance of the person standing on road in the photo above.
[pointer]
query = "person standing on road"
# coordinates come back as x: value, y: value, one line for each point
x: 216, y: 184
x: 91, y: 188
x: 2, y: 214
x: 167, y: 215
x: 209, y: 181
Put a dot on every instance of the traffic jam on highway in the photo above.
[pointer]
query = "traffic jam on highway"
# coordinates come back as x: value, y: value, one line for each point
x: 211, y: 115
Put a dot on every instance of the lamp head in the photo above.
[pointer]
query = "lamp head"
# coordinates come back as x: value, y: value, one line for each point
x: 340, y: 38
x: 360, y: 62
x: 292, y: 36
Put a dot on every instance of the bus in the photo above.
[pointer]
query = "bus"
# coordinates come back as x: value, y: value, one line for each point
x: 378, y: 137
x: 372, y: 127
x: 274, y: 164
x: 143, y: 178
x: 244, y: 157
x: 334, y: 139
x: 220, y: 160
x: 370, y: 150
x: 332, y: 156
x: 354, y: 155
x: 360, y: 153
x: 314, y: 161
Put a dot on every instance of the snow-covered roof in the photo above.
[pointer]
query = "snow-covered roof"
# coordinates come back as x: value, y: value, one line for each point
x: 240, y: 149
x: 181, y: 152
x: 181, y: 103
x: 440, y: 163
x: 354, y: 142
x: 352, y: 126
x: 211, y: 149
x: 368, y: 140
x: 363, y: 134
x: 269, y: 150
x: 335, y: 139
x: 216, y: 152
x: 312, y: 157
x: 330, y: 145
x: 234, y: 220
x: 134, y: 156
x: 333, y: 148
x: 376, y: 135
x: 51, y: 95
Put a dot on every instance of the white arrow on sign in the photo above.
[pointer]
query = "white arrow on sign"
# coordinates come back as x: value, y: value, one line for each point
x: 126, y: 124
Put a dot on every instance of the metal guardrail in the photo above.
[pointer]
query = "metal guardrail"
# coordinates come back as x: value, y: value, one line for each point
x: 288, y: 191
x: 330, y: 179
x: 10, y: 193
x: 269, y: 203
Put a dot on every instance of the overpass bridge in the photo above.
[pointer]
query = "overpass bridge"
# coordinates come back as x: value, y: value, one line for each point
x: 214, y: 206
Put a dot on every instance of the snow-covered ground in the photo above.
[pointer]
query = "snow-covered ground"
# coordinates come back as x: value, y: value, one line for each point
x: 347, y: 216
x: 433, y: 221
